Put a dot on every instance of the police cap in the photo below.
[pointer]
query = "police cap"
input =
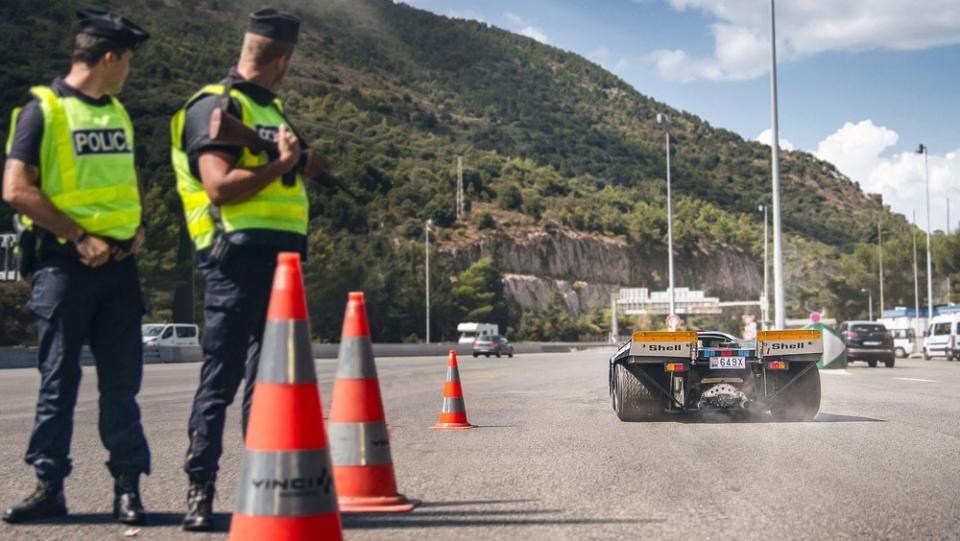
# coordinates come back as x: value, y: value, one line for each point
x: 111, y: 26
x: 274, y: 24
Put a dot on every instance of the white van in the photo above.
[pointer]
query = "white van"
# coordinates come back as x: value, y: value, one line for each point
x: 471, y: 331
x: 905, y: 342
x: 170, y: 334
x: 941, y: 337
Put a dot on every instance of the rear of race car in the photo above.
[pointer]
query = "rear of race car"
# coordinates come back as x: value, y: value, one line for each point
x: 659, y: 374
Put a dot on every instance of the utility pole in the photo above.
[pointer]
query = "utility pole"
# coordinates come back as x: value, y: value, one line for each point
x: 880, y: 252
x: 778, y: 289
x: 916, y: 278
x: 665, y: 122
x: 427, y: 278
x: 765, y: 307
x: 460, y: 199
x: 922, y: 149
x: 949, y: 290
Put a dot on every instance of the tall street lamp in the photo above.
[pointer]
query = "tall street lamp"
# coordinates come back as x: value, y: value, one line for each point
x: 664, y: 121
x: 427, y: 270
x: 880, y: 257
x: 916, y: 281
x: 766, y: 291
x: 870, y: 305
x: 922, y: 149
x: 778, y: 291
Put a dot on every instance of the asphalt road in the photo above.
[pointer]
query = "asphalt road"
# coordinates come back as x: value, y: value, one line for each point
x: 551, y: 461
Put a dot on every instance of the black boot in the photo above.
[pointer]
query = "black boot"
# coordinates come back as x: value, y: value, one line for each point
x: 200, y: 505
x: 127, y: 507
x: 46, y: 502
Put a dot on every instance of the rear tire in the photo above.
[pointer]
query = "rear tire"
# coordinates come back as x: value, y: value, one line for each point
x: 510, y: 354
x: 872, y: 364
x: 890, y: 363
x: 801, y: 400
x: 475, y: 355
x: 498, y: 354
x: 631, y: 399
x: 926, y: 354
x: 900, y: 353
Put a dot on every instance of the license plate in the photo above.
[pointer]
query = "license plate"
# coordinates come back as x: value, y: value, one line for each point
x: 871, y: 343
x: 727, y: 363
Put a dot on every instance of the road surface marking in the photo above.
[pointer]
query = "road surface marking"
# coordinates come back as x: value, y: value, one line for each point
x: 916, y: 379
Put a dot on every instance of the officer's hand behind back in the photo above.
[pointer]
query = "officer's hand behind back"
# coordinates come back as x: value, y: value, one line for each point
x: 120, y: 255
x: 93, y: 251
x: 289, y: 148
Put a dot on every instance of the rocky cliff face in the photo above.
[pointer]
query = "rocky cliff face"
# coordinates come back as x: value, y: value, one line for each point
x: 587, y: 269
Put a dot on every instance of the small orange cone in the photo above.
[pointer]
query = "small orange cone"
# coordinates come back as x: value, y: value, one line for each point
x: 287, y: 489
x: 453, y: 413
x: 359, y: 442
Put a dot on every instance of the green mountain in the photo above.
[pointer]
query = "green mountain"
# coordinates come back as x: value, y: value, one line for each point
x: 551, y: 143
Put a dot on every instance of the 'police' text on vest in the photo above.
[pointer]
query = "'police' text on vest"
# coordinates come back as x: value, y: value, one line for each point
x: 100, y: 141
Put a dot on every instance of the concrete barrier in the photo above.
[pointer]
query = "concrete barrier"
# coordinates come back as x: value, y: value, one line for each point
x: 26, y: 357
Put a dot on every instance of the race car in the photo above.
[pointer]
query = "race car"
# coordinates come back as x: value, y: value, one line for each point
x: 658, y: 375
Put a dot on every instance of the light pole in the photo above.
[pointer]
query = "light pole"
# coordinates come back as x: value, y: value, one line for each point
x: 880, y: 253
x: 778, y: 292
x: 949, y: 288
x: 766, y: 291
x: 922, y: 149
x: 870, y: 301
x: 664, y: 121
x: 427, y: 269
x: 916, y: 279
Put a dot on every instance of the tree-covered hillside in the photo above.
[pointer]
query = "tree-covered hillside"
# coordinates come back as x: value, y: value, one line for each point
x: 392, y: 94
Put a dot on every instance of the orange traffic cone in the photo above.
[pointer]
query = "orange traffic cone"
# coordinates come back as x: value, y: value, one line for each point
x: 359, y: 442
x: 453, y: 413
x: 287, y: 489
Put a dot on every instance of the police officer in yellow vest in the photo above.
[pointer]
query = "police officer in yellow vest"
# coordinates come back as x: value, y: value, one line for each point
x: 70, y: 172
x: 241, y: 209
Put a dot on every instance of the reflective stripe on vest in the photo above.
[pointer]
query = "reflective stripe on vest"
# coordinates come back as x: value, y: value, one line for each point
x: 87, y: 164
x: 276, y: 207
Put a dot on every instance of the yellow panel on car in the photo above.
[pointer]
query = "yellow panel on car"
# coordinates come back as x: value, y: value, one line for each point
x: 665, y: 336
x: 663, y: 344
x: 789, y: 343
x: 794, y: 334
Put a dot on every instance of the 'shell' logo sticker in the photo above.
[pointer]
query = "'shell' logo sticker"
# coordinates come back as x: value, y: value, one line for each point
x: 105, y: 141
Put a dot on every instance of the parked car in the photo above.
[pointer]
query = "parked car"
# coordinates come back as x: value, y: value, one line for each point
x: 492, y: 345
x: 940, y: 337
x: 868, y: 341
x: 170, y: 334
x: 905, y: 342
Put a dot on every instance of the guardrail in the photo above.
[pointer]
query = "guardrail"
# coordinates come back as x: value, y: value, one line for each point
x: 26, y: 357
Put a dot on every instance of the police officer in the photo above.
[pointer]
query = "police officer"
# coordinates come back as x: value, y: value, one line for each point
x: 241, y: 209
x: 70, y: 172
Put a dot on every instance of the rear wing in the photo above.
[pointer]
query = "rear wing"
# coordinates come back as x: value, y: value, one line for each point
x: 664, y: 344
x: 798, y: 345
x: 791, y: 345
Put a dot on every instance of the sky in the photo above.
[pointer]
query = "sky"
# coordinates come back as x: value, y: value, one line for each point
x: 861, y: 82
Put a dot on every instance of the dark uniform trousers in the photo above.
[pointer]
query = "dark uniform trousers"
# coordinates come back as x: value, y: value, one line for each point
x: 74, y: 303
x: 235, y: 307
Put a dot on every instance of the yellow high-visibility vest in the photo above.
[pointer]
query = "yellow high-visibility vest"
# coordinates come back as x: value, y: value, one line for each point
x: 87, y: 163
x: 276, y: 207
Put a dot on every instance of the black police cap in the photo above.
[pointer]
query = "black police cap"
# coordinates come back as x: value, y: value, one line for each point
x: 274, y: 24
x: 111, y: 26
